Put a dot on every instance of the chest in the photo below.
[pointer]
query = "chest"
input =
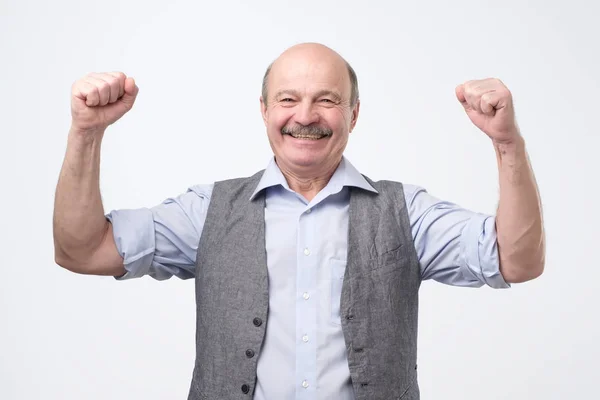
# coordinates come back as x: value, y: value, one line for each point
x: 300, y: 233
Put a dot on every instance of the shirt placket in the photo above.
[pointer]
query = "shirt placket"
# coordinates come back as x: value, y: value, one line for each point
x: 306, y: 307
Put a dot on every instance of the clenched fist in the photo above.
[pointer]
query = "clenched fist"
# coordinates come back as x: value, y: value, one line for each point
x: 98, y: 100
x: 489, y: 105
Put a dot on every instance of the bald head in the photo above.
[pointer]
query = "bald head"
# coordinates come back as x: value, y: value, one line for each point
x: 314, y: 54
x: 313, y: 106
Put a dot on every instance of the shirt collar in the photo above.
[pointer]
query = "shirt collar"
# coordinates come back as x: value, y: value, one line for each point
x: 345, y: 175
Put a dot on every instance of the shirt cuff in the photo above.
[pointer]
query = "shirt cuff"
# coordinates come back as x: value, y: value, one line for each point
x: 479, y: 249
x: 133, y: 231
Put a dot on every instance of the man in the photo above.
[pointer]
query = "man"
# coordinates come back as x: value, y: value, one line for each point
x: 307, y: 273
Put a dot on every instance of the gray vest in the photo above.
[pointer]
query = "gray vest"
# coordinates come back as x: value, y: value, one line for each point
x: 379, y: 302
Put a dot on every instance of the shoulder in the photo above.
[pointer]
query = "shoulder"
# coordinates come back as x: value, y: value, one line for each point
x: 238, y: 187
x: 408, y: 190
x: 242, y: 180
x: 205, y: 191
x: 412, y: 191
x: 200, y: 190
x: 193, y: 200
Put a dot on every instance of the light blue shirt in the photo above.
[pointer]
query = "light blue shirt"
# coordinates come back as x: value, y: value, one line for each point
x: 304, y: 355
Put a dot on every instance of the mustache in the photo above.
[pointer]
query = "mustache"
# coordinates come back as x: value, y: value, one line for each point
x: 306, y: 130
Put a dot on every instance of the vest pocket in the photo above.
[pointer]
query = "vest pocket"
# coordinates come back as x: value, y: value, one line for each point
x: 337, y: 270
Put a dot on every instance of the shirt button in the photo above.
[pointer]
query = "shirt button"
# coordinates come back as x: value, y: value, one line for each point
x: 304, y: 384
x: 249, y: 353
x: 308, y: 211
x: 306, y: 296
x: 245, y: 388
x: 306, y: 252
x: 257, y: 322
x: 305, y: 338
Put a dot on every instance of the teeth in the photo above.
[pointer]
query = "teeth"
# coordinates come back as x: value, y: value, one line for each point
x: 313, y: 137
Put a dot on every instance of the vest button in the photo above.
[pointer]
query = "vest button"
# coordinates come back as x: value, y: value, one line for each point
x: 245, y: 388
x: 249, y: 353
x: 257, y: 321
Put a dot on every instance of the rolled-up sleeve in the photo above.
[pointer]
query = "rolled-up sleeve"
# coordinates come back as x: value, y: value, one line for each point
x: 479, y: 251
x: 133, y: 231
x: 455, y: 246
x: 162, y: 241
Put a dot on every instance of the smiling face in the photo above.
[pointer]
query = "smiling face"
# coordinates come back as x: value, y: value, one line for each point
x: 308, y: 112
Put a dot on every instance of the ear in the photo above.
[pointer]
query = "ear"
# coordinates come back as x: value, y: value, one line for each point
x: 263, y: 110
x: 354, y: 116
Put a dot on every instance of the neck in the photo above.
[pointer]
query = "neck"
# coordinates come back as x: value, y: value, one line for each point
x: 310, y: 182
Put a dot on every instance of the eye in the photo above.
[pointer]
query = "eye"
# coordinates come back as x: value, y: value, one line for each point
x: 286, y: 100
x: 327, y: 101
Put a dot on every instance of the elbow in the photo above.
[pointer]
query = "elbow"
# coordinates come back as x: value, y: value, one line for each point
x: 523, y: 272
x: 64, y: 260
x: 523, y: 264
x: 60, y: 256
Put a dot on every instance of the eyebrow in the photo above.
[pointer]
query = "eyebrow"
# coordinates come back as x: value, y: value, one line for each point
x: 320, y: 93
x: 335, y: 95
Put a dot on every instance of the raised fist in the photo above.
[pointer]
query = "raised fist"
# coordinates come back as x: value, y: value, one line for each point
x: 100, y: 99
x: 489, y: 105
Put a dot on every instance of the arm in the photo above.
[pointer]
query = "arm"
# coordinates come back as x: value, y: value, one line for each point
x: 162, y: 241
x: 455, y: 246
x: 83, y: 239
x: 519, y: 225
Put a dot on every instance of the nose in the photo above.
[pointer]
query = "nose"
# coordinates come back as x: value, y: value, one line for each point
x: 306, y: 114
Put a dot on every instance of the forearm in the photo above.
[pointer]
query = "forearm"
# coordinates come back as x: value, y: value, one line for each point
x: 519, y: 224
x: 79, y: 223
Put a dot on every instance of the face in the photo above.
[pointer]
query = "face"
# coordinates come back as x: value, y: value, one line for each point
x: 307, y: 113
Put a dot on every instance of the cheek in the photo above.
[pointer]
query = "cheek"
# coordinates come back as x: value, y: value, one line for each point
x: 339, y: 120
x: 278, y: 118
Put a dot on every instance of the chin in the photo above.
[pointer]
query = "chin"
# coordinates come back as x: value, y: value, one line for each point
x: 304, y: 159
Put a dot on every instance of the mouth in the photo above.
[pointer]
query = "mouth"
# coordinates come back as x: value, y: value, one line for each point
x: 307, y: 132
x: 305, y: 136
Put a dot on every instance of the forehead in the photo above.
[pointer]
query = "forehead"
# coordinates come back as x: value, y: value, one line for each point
x: 309, y: 73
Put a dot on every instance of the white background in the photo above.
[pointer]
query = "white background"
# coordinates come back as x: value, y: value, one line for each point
x: 199, y: 67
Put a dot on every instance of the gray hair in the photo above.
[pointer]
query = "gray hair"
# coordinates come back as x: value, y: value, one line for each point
x: 351, y: 73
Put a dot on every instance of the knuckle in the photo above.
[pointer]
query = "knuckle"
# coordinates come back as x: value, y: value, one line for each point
x: 113, y: 82
x: 103, y: 86
x: 501, y: 86
x: 79, y: 83
x: 504, y: 92
x: 471, y: 87
x: 84, y: 90
x: 92, y: 93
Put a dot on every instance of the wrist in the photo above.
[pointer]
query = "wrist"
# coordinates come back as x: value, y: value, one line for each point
x: 81, y: 136
x: 510, y: 154
x: 512, y: 146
